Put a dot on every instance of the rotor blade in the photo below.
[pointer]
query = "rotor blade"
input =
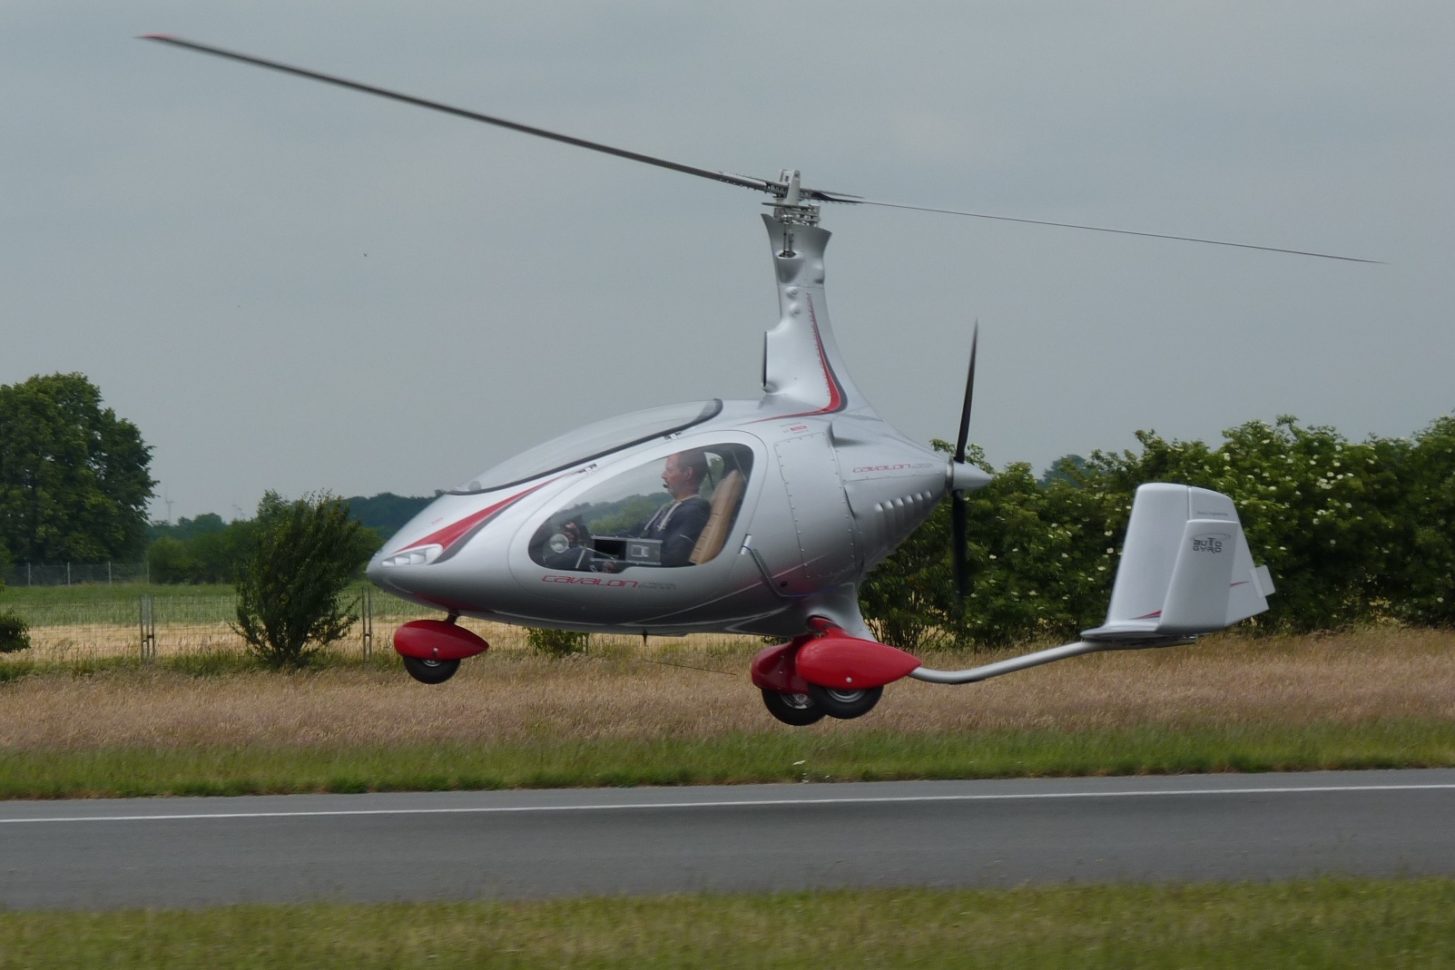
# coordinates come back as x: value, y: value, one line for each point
x: 744, y: 181
x: 851, y: 200
x: 969, y: 397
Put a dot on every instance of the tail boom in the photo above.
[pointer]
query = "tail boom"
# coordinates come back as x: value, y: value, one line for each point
x: 1186, y: 570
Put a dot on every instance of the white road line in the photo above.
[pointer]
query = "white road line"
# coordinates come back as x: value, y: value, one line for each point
x: 731, y: 803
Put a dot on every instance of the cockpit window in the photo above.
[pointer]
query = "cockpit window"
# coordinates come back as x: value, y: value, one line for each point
x: 676, y: 511
x: 592, y: 441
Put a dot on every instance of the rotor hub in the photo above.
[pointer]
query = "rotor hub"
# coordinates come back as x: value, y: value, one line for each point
x: 788, y: 205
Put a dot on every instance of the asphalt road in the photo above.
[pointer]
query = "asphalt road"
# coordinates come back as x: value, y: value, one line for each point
x: 188, y: 852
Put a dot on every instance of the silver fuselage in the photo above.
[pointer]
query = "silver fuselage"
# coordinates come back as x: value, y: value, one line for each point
x: 830, y: 489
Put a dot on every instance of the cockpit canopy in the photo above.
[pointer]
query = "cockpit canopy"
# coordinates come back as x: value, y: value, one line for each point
x: 590, y: 442
x: 631, y: 518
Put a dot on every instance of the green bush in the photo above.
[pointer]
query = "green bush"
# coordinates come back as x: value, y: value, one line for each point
x: 1426, y: 570
x: 557, y: 643
x: 14, y: 633
x: 290, y: 590
x: 1353, y: 532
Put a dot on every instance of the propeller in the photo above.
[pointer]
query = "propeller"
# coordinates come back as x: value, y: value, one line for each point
x: 962, y: 480
x: 784, y: 189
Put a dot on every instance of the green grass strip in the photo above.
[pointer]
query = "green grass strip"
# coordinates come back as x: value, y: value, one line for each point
x: 1318, y: 923
x: 770, y: 756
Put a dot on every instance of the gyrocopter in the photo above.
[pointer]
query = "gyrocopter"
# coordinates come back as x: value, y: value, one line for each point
x: 775, y: 509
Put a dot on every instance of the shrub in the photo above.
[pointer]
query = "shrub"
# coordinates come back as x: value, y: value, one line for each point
x: 289, y: 592
x: 14, y: 633
x: 557, y: 643
x: 1353, y: 532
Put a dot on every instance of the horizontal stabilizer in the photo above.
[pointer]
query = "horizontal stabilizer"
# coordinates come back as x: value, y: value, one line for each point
x: 1185, y: 569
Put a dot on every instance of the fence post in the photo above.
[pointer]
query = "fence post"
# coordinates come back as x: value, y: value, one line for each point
x: 367, y: 619
x: 147, y: 609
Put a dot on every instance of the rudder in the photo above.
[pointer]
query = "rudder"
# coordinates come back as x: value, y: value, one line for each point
x: 1185, y: 568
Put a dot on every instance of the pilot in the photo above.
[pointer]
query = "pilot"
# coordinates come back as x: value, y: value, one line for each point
x: 678, y: 523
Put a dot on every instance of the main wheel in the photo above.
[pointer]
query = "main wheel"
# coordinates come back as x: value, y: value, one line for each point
x: 431, y: 671
x: 796, y: 709
x: 844, y: 704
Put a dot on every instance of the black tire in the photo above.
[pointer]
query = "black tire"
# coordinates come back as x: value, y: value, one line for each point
x: 431, y: 671
x: 798, y: 710
x: 844, y: 704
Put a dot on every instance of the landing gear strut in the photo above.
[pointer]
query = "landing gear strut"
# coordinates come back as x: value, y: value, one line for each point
x: 826, y: 673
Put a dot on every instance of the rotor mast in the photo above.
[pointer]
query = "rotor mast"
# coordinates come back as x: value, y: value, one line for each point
x: 803, y: 371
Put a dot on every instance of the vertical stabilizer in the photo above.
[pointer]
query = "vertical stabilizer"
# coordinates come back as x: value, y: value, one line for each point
x: 1185, y: 569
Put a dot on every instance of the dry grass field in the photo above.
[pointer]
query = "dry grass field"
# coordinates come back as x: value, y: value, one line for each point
x: 694, y: 689
x: 76, y: 642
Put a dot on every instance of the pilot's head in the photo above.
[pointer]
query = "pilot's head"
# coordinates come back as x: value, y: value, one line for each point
x: 684, y: 473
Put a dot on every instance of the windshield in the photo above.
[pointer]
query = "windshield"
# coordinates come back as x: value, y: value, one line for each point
x: 674, y: 510
x: 592, y: 441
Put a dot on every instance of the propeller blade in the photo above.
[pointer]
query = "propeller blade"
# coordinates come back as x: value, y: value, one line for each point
x: 969, y: 397
x: 957, y: 498
x: 744, y: 181
x: 851, y: 200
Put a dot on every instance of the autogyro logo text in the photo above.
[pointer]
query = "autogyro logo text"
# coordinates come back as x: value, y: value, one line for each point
x: 603, y: 582
x: 1207, y: 544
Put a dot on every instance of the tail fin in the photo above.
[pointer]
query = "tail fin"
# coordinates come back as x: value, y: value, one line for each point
x: 1185, y: 569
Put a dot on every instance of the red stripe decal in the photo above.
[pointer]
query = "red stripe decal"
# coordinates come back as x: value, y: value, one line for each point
x: 451, y: 534
x: 835, y: 389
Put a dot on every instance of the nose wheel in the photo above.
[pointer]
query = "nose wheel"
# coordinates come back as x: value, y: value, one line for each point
x: 798, y: 710
x: 429, y: 671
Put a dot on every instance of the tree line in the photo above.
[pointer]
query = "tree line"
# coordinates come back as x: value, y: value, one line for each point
x: 206, y: 549
x: 1353, y: 532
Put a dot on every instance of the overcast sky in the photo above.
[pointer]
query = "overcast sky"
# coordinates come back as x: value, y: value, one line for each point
x: 292, y: 287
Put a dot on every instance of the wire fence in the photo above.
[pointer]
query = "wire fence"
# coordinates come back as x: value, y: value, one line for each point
x: 75, y: 573
x: 163, y: 622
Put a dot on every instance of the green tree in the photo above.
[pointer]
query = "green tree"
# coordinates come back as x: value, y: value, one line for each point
x: 1352, y: 532
x: 290, y: 592
x: 14, y: 632
x: 1321, y: 511
x: 201, y: 550
x: 74, y: 478
x: 386, y: 513
x: 170, y: 561
x: 1426, y: 573
x: 185, y: 528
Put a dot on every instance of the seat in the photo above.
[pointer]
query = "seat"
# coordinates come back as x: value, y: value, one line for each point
x: 725, y: 501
